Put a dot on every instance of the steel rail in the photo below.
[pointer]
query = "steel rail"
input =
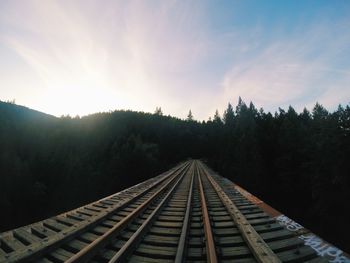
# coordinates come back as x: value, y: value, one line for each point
x: 90, y: 250
x: 180, y: 253
x: 37, y: 250
x: 261, y: 251
x: 133, y: 241
x: 210, y: 244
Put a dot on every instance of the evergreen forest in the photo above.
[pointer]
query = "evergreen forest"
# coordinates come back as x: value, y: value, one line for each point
x: 299, y: 163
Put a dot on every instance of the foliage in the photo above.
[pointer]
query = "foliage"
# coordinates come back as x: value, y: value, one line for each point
x: 190, y: 116
x: 158, y: 111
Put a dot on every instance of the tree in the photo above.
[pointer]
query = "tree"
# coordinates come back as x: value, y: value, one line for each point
x: 158, y: 111
x: 319, y: 112
x: 229, y: 115
x: 217, y: 118
x: 189, y: 116
x: 241, y: 107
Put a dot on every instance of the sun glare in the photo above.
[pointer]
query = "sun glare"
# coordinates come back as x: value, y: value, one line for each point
x: 83, y: 93
x: 78, y: 95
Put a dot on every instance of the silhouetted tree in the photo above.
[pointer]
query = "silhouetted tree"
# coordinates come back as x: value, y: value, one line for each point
x: 217, y: 118
x: 229, y: 115
x: 189, y: 116
x: 158, y: 111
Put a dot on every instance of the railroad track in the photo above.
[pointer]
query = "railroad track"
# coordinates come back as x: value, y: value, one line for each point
x: 185, y: 215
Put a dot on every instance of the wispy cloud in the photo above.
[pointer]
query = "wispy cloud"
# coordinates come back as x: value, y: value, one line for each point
x: 95, y: 56
x: 299, y: 69
x: 116, y: 55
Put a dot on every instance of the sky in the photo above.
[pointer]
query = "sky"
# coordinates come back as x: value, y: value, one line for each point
x: 85, y: 56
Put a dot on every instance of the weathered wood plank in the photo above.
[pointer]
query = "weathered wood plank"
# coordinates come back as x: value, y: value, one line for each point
x: 304, y: 253
x: 54, y: 225
x: 41, y: 231
x: 12, y: 243
x: 25, y: 236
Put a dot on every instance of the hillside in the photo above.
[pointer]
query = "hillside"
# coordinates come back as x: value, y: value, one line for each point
x: 297, y: 162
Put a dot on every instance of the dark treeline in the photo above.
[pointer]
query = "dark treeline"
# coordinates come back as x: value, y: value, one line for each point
x: 297, y: 162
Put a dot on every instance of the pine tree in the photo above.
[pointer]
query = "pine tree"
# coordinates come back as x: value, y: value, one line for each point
x: 158, y: 111
x: 319, y: 112
x: 217, y: 118
x: 190, y: 116
x: 229, y: 115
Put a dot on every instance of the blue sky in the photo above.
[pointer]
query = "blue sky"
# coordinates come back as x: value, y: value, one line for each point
x: 80, y: 57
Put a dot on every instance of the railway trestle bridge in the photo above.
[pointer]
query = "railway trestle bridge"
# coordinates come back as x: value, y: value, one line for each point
x: 187, y: 214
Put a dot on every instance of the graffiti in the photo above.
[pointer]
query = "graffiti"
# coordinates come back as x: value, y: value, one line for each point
x: 324, y: 249
x: 289, y: 223
x: 333, y: 254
